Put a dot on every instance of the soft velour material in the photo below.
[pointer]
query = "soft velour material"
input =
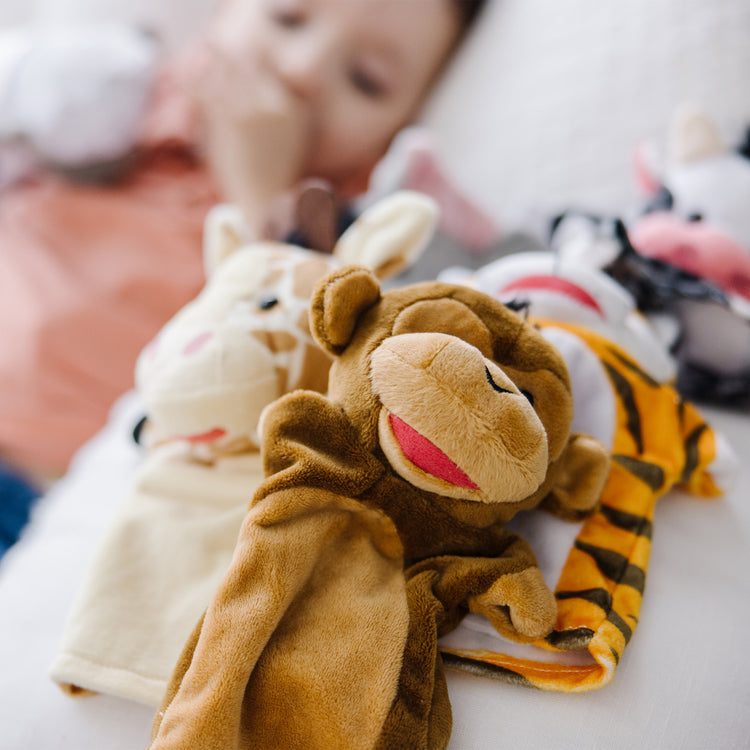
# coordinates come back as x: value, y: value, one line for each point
x: 353, y: 559
x: 660, y: 442
x: 205, y: 379
x: 621, y: 377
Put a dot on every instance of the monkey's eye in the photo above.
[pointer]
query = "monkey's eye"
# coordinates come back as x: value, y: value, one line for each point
x: 268, y: 302
x: 529, y: 396
x: 495, y: 386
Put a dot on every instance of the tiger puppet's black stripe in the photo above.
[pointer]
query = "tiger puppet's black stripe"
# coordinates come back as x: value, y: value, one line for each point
x: 660, y: 441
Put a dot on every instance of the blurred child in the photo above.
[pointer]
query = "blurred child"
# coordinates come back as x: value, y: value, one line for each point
x: 283, y: 90
x: 331, y: 81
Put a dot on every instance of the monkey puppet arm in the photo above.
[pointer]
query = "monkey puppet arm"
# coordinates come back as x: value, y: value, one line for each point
x: 508, y: 589
x: 582, y: 473
x: 302, y: 643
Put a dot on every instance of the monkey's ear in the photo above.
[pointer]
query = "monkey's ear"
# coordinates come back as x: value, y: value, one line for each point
x: 337, y: 304
x: 582, y: 470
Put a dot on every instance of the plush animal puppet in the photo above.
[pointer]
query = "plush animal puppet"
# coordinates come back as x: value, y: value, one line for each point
x: 700, y: 224
x: 381, y: 523
x: 568, y: 289
x: 706, y: 328
x: 657, y: 441
x: 706, y: 184
x: 243, y: 342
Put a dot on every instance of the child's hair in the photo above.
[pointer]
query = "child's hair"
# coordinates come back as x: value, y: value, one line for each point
x: 468, y: 10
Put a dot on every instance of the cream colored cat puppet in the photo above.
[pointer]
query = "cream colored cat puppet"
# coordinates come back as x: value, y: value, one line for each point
x: 243, y: 342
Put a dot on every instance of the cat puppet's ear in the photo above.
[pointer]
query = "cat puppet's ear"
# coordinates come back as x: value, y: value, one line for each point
x: 224, y: 233
x: 390, y: 235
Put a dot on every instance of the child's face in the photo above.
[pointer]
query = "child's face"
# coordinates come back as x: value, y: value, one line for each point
x: 360, y: 67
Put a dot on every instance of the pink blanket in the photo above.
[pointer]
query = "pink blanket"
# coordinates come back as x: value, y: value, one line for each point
x: 89, y: 275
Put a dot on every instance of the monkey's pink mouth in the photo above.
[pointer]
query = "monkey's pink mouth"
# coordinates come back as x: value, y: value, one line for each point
x: 427, y: 456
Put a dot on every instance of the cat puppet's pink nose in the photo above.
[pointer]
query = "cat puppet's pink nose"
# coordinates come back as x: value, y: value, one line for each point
x: 197, y: 343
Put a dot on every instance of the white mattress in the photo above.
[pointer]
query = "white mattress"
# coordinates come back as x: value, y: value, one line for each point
x: 682, y: 682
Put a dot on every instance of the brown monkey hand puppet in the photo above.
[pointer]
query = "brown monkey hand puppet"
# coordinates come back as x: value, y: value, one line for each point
x: 381, y: 522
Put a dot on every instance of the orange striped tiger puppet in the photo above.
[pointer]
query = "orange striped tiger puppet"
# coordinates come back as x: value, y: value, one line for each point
x: 621, y: 379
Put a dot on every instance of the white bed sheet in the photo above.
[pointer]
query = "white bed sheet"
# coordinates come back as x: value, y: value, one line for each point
x: 546, y: 104
x: 682, y: 682
x: 39, y: 577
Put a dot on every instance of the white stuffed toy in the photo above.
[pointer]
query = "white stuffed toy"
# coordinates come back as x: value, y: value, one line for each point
x: 699, y: 222
x: 699, y: 177
x: 72, y: 97
x: 569, y: 290
x: 205, y: 380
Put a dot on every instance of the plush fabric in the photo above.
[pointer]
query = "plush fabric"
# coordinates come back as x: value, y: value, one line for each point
x: 204, y: 380
x: 660, y: 442
x: 354, y: 559
x: 156, y: 567
x: 657, y: 441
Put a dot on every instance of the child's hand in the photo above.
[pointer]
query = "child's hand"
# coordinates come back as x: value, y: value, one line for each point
x: 256, y: 130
